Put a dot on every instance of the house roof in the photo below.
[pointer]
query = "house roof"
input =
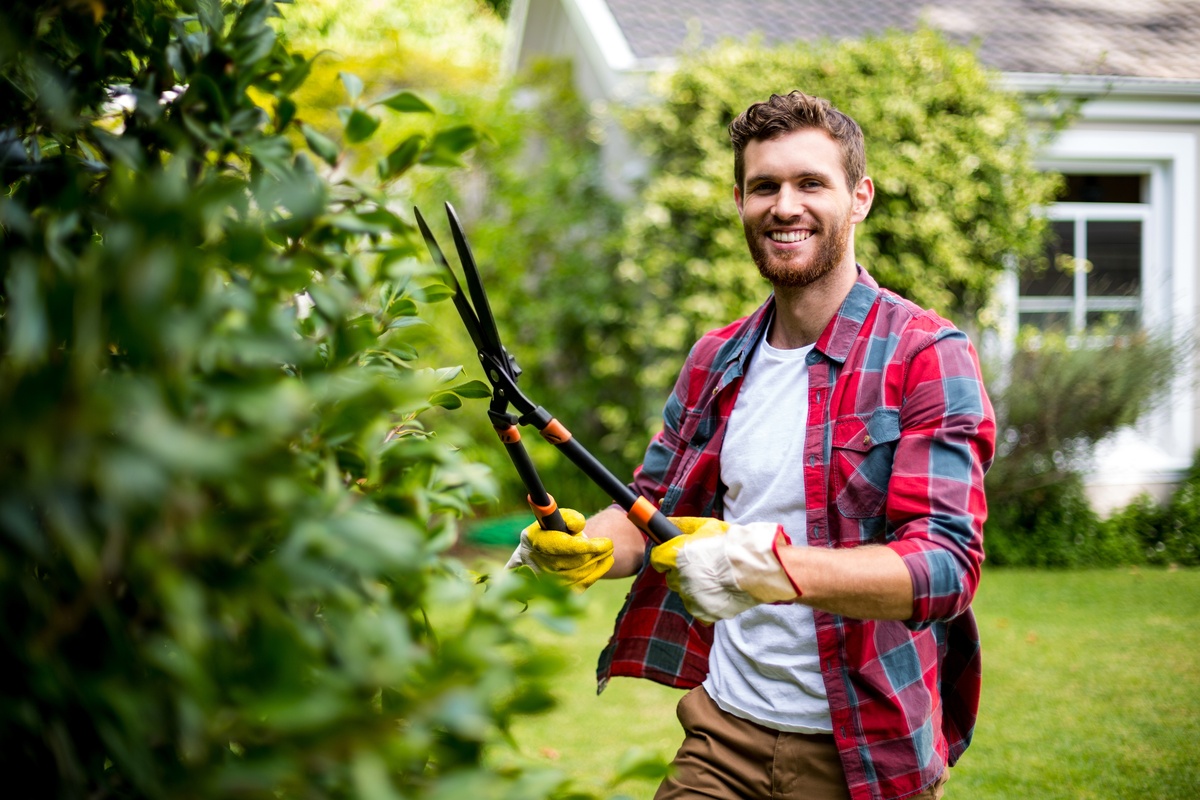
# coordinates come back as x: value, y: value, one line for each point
x: 1148, y: 39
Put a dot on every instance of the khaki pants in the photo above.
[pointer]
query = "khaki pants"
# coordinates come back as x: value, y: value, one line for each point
x: 726, y: 757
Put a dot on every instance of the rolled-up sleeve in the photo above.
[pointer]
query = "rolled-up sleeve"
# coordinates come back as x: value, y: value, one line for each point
x: 936, y: 501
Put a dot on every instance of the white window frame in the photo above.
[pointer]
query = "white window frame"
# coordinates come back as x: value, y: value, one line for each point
x: 1079, y: 303
x: 1168, y: 293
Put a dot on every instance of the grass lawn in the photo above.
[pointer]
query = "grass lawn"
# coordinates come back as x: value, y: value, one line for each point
x: 1091, y: 690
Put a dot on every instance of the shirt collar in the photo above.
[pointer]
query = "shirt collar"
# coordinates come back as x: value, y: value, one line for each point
x: 841, y: 332
x: 834, y: 341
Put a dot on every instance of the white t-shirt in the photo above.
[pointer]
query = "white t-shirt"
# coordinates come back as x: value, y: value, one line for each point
x: 764, y: 665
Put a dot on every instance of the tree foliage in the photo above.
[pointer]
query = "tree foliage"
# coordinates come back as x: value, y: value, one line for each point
x: 224, y: 520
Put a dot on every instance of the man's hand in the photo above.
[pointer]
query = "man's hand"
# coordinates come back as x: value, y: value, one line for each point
x: 573, y: 557
x: 720, y: 570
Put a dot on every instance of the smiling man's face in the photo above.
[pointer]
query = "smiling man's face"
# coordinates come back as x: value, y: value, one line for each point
x: 796, y: 209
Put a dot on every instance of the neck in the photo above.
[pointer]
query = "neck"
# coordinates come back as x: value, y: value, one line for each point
x: 802, y: 312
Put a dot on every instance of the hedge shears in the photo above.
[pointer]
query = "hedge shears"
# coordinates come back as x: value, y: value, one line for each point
x: 502, y: 372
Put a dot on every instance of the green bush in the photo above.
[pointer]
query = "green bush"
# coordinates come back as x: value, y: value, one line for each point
x: 1175, y: 539
x: 224, y: 518
x: 1060, y: 397
x: 1049, y: 526
x: 1120, y: 539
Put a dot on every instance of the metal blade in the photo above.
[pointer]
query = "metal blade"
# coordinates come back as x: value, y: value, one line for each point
x: 460, y: 301
x: 487, y: 323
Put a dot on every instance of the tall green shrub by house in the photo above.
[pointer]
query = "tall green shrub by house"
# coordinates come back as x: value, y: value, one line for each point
x: 1059, y: 398
x: 224, y: 518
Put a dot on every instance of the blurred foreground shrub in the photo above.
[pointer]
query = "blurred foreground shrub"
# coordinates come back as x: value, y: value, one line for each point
x: 224, y: 522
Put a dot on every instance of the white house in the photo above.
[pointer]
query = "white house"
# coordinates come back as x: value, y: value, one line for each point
x: 1132, y: 159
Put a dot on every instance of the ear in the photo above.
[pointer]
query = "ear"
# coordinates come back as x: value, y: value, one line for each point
x: 737, y: 199
x: 864, y: 195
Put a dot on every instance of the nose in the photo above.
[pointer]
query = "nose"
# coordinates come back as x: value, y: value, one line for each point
x: 789, y: 203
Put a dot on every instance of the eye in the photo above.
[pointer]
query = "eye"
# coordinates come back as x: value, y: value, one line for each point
x: 765, y: 187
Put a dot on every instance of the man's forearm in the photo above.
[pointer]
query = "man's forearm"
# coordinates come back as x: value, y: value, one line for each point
x: 629, y: 545
x: 869, y: 582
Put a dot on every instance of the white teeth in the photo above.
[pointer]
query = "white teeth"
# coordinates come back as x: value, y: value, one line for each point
x: 789, y: 237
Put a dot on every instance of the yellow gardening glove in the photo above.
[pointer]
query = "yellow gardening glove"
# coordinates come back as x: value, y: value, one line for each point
x: 665, y: 557
x: 573, y: 557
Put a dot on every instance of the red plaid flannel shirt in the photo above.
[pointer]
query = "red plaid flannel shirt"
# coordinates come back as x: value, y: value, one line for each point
x: 900, y: 432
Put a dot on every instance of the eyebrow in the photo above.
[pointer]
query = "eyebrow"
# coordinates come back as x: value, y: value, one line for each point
x: 824, y: 177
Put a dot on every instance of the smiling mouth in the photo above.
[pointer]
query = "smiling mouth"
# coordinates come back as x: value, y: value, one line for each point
x: 789, y: 237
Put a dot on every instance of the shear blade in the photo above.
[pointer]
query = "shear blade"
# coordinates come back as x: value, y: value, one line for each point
x: 470, y: 320
x: 487, y: 322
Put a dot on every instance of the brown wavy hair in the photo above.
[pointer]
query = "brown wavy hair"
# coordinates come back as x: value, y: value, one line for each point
x: 792, y: 112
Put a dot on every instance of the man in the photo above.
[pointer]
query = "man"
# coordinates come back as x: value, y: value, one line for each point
x: 840, y: 434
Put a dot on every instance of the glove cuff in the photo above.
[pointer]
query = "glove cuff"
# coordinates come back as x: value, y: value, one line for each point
x: 775, y: 551
x: 757, y: 569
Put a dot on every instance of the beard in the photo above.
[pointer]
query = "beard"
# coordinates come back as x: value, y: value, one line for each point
x: 789, y: 270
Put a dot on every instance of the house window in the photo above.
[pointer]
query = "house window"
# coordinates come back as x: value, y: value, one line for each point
x: 1096, y: 255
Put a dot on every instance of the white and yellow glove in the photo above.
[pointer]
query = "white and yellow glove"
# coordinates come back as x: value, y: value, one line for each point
x: 573, y: 557
x: 720, y: 570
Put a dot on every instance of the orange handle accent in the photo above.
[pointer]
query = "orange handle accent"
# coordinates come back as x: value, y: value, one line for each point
x: 509, y: 435
x: 641, y: 512
x: 542, y: 511
x: 556, y: 433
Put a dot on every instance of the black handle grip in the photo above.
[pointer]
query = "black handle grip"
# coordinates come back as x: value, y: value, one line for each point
x: 552, y: 521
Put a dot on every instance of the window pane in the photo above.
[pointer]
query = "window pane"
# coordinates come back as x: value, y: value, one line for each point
x: 1045, y: 320
x: 1103, y: 189
x: 1115, y: 252
x: 1113, y: 321
x: 1056, y: 280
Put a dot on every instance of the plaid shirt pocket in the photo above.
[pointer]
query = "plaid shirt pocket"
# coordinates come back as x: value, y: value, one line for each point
x: 862, y: 461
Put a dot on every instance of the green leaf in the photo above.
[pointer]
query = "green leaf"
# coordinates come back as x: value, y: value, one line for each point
x: 360, y: 126
x: 446, y: 400
x: 406, y: 102
x: 402, y: 157
x: 27, y: 324
x: 353, y: 84
x: 402, y: 306
x: 444, y: 374
x: 295, y: 76
x: 448, y: 144
x: 320, y: 144
x: 473, y: 390
x: 285, y: 112
x: 436, y: 292
x: 406, y: 322
x: 256, y: 47
x: 210, y: 15
x: 274, y: 153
